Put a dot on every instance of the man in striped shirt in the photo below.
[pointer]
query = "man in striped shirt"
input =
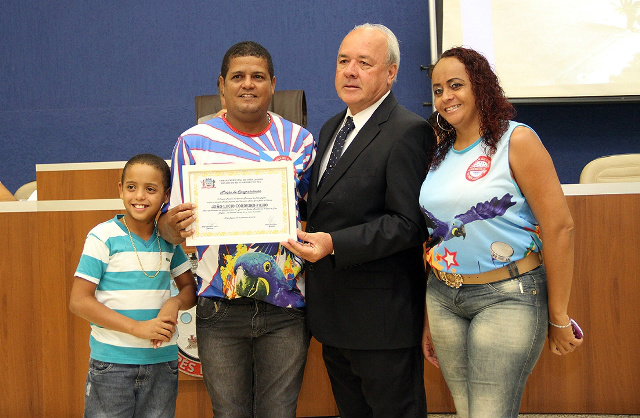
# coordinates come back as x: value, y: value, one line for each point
x: 251, y: 330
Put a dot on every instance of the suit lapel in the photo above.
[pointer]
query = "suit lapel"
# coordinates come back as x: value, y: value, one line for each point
x: 330, y: 132
x: 359, y: 143
x: 323, y: 143
x: 364, y: 137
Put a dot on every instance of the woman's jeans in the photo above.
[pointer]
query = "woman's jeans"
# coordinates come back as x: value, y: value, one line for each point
x: 131, y: 390
x: 487, y: 339
x: 253, y: 356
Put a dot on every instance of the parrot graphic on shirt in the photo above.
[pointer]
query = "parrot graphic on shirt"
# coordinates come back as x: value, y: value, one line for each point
x: 456, y: 227
x: 258, y: 276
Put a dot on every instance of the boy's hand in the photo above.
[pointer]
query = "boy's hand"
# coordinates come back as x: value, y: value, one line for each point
x: 169, y: 310
x: 168, y: 314
x: 169, y: 320
x: 154, y: 329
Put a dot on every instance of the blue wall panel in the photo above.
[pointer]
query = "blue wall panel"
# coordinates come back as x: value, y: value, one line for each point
x: 101, y: 81
x: 575, y: 134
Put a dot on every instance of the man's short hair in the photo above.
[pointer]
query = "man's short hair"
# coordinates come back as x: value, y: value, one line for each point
x: 393, y: 47
x: 246, y: 49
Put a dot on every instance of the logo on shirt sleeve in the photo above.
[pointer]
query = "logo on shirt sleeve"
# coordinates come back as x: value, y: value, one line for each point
x: 479, y: 168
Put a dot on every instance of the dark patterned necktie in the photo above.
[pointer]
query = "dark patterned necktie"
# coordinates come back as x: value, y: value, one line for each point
x: 338, y: 145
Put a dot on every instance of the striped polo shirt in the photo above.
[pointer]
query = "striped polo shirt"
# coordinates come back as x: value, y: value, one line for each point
x: 109, y: 260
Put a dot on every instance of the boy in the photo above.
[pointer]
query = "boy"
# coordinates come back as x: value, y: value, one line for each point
x: 122, y: 286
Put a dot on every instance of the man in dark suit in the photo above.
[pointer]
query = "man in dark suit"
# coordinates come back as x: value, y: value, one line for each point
x: 365, y: 277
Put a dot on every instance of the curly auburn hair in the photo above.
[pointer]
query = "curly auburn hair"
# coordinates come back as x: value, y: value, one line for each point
x: 493, y: 107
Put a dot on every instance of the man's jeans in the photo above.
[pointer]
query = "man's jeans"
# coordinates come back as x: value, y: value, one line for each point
x: 131, y: 390
x: 487, y: 339
x: 253, y: 356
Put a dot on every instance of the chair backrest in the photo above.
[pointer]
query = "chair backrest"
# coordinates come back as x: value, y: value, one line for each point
x: 290, y: 104
x: 25, y: 191
x: 612, y: 169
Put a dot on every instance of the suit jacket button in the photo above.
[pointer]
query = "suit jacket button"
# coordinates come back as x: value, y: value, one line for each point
x: 311, y: 229
x: 311, y: 267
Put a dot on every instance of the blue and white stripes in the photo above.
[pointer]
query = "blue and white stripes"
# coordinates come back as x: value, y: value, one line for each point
x: 109, y: 260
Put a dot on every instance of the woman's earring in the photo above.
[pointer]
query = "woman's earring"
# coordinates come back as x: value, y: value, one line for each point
x: 440, y: 126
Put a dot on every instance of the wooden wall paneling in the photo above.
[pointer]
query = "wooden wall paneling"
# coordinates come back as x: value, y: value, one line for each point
x: 604, y: 300
x: 56, y: 365
x: 20, y: 309
x: 65, y: 336
x: 48, y: 350
x: 606, y: 286
x: 78, y: 184
x: 606, y: 295
x: 193, y: 399
x: 316, y: 396
x: 439, y: 399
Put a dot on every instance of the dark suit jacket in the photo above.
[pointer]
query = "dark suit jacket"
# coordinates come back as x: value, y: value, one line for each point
x: 371, y: 294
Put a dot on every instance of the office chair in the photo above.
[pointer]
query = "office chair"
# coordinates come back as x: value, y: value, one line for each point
x: 25, y: 191
x: 290, y: 104
x: 612, y: 169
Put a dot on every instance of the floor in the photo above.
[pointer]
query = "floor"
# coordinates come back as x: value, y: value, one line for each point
x: 541, y: 416
x: 546, y: 416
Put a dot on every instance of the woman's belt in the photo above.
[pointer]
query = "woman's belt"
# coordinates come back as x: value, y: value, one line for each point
x: 511, y: 270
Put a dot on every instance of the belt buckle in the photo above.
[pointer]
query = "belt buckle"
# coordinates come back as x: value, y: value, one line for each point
x: 453, y: 280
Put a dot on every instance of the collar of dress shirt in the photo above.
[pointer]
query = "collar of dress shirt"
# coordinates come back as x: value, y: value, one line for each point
x: 360, y: 118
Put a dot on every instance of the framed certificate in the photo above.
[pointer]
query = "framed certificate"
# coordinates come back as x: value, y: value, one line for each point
x: 241, y: 203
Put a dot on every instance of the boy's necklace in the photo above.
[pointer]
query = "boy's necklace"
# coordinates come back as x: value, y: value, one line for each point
x: 136, y: 250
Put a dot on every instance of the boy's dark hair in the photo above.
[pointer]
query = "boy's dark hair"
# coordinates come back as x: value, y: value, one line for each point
x: 246, y: 49
x: 155, y: 162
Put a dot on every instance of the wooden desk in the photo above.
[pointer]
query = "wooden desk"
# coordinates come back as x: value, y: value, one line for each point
x: 45, y: 372
x: 46, y: 347
x: 79, y: 180
x: 602, y: 375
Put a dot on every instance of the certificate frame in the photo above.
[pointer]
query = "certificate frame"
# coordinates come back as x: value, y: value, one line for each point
x: 241, y: 203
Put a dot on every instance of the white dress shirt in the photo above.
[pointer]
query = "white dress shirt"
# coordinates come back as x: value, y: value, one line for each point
x: 359, y: 120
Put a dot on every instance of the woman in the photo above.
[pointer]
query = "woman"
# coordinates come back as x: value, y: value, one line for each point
x: 490, y: 195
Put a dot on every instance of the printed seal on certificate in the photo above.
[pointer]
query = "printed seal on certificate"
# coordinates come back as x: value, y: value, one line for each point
x: 238, y: 203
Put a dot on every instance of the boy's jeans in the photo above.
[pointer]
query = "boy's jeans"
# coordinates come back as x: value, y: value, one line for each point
x: 131, y: 390
x: 253, y: 356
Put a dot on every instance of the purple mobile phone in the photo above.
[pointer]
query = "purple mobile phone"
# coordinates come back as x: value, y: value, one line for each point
x: 577, y: 332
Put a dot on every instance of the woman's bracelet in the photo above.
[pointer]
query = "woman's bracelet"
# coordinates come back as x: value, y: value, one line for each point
x: 560, y: 326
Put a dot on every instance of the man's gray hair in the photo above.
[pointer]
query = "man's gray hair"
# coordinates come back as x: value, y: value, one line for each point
x: 393, y: 47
